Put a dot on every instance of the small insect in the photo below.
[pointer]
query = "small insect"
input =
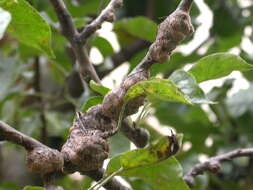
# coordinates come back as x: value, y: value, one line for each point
x: 174, y: 147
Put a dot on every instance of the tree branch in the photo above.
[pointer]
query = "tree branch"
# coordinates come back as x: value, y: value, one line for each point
x: 138, y: 136
x: 108, y: 14
x: 125, y: 54
x: 10, y: 134
x: 48, y: 182
x: 185, y: 5
x: 85, y: 68
x: 213, y: 164
x: 102, y: 119
x: 65, y: 19
x: 171, y: 32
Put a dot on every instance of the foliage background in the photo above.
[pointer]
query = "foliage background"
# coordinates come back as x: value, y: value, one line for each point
x: 38, y: 95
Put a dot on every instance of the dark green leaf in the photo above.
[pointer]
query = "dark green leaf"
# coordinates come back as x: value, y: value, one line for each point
x: 218, y: 65
x: 166, y: 175
x: 91, y: 102
x: 140, y: 27
x: 99, y: 88
x: 157, y: 88
x: 5, y: 19
x: 28, y: 26
x: 188, y: 85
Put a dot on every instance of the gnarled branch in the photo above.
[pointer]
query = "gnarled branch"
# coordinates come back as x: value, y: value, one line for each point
x: 47, y: 161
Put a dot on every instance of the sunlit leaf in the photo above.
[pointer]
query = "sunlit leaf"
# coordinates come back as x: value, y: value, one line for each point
x: 155, y: 165
x: 167, y: 175
x: 156, y: 152
x: 218, y: 65
x: 158, y: 89
x: 28, y: 26
x: 99, y: 88
x: 5, y: 19
x: 188, y: 85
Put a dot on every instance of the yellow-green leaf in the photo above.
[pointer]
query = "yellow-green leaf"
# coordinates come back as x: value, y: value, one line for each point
x: 99, y: 88
x: 28, y: 26
x: 157, y: 88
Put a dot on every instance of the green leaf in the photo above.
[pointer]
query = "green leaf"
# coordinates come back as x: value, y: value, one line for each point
x: 218, y: 65
x: 188, y: 85
x: 157, y: 88
x: 91, y: 102
x: 28, y: 26
x: 33, y: 188
x: 166, y: 175
x: 140, y: 27
x: 154, y: 165
x: 99, y: 88
x: 103, y: 45
x: 118, y: 144
x: 5, y: 19
x: 156, y: 152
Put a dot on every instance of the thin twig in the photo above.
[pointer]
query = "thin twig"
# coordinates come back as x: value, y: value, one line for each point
x: 10, y: 134
x: 108, y: 14
x: 213, y: 164
x: 85, y: 68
